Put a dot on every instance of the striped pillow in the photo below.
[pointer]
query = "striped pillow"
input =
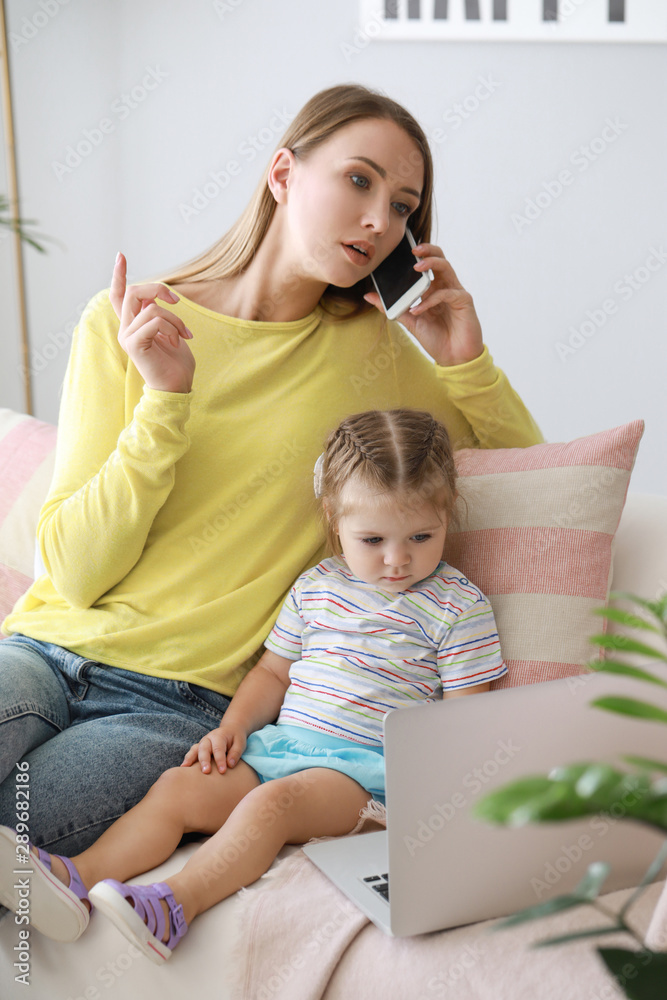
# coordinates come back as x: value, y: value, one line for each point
x: 27, y: 453
x: 535, y: 534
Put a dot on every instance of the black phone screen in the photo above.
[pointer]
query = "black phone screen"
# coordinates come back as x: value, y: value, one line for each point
x: 396, y: 275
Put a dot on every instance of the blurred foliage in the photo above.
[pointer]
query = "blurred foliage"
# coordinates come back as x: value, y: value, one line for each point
x: 8, y: 223
x: 588, y: 789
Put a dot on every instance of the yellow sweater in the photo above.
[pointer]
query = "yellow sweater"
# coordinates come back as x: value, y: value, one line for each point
x: 176, y: 524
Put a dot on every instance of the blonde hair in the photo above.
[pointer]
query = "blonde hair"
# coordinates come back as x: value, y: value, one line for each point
x: 404, y: 454
x: 322, y: 116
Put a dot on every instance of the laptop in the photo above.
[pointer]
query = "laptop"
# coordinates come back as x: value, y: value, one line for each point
x: 445, y: 868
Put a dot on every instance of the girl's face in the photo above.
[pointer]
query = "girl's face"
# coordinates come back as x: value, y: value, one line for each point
x: 347, y: 202
x: 389, y: 545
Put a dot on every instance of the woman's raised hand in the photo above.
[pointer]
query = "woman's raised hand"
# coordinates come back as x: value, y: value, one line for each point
x: 445, y: 322
x: 153, y: 337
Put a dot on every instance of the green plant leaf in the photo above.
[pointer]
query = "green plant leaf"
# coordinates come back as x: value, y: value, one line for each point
x: 646, y: 762
x: 18, y: 226
x: 591, y: 883
x: 650, y: 875
x: 540, y: 910
x: 574, y: 791
x: 641, y: 974
x: 502, y: 805
x: 630, y: 706
x: 585, y: 892
x: 576, y: 935
x: 626, y: 618
x: 657, y: 608
x: 623, y: 644
x: 613, y: 667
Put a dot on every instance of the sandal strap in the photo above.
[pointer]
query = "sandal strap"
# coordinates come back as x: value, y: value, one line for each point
x: 75, y: 883
x: 177, y: 924
x: 43, y: 856
x: 146, y: 902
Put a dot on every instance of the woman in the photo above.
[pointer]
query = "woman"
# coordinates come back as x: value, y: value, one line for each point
x: 181, y: 508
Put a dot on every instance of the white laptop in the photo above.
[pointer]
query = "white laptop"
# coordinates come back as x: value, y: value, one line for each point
x: 444, y: 867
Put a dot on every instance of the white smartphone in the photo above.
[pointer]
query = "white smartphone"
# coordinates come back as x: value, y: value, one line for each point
x: 396, y: 281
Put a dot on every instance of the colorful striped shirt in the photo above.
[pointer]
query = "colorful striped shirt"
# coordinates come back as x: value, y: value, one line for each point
x: 360, y: 652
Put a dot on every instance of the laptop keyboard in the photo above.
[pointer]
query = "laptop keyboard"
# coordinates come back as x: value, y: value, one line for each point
x: 379, y: 884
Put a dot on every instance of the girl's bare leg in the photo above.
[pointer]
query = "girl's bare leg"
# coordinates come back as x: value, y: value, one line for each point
x: 317, y: 802
x: 182, y: 800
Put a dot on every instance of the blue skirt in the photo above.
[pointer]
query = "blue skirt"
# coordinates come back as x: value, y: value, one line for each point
x: 277, y: 751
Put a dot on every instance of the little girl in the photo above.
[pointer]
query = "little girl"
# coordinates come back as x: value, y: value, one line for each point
x: 381, y: 624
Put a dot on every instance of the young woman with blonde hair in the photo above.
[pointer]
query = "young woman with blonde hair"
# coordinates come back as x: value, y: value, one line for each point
x: 192, y: 412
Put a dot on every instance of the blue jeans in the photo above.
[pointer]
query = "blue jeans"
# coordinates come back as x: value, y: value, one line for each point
x: 95, y: 738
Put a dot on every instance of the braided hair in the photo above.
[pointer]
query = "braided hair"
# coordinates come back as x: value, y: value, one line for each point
x: 404, y: 454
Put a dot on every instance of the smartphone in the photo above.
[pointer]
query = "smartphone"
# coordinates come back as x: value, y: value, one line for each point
x: 396, y: 281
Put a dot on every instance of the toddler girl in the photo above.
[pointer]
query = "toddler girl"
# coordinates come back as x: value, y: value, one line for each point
x: 382, y: 623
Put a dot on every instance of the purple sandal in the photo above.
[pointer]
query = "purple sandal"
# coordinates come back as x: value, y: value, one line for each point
x: 56, y: 910
x: 138, y: 914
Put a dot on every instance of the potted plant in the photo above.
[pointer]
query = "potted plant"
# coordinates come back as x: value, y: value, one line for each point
x: 587, y: 789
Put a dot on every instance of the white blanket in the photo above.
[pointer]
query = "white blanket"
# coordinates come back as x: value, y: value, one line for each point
x: 301, y: 939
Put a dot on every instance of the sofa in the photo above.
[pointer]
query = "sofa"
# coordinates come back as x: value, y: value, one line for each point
x: 343, y: 956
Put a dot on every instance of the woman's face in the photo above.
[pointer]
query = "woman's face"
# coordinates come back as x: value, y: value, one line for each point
x: 349, y: 200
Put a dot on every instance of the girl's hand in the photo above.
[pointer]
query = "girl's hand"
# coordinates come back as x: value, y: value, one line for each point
x: 154, y: 338
x: 445, y: 322
x: 225, y: 744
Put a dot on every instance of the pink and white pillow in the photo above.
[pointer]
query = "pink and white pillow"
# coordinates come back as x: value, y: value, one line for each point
x: 27, y: 454
x: 536, y: 534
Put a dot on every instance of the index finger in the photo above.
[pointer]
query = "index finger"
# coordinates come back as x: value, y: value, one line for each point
x: 118, y: 280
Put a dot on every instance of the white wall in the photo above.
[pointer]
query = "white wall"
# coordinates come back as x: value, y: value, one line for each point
x: 221, y: 73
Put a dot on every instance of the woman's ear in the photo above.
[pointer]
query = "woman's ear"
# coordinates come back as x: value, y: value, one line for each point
x: 280, y: 170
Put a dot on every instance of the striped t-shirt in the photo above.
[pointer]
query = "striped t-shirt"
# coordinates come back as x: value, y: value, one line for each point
x: 360, y: 652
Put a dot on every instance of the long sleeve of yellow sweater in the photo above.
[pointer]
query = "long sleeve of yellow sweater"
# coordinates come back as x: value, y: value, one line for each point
x: 176, y: 523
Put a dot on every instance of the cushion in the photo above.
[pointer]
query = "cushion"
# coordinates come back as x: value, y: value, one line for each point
x: 535, y: 533
x: 27, y: 453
